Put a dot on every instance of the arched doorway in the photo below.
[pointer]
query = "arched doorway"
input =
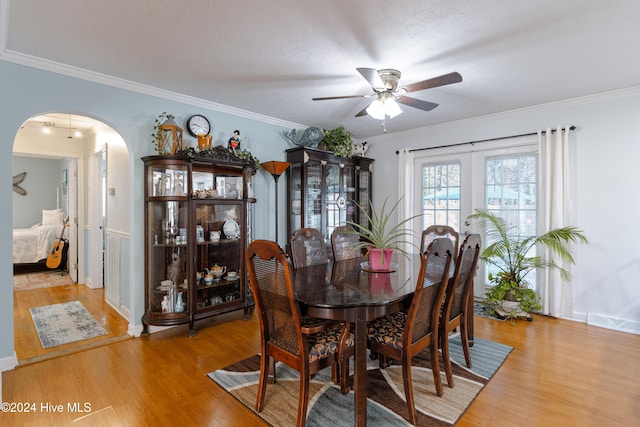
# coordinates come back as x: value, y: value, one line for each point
x: 81, y: 145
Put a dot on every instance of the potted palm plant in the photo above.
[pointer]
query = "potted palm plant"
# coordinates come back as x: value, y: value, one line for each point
x: 381, y: 235
x: 514, y: 256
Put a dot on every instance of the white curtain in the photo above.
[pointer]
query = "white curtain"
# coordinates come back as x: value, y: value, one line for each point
x: 556, y: 295
x: 405, y: 188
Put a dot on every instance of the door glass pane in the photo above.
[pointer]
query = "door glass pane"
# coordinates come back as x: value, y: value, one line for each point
x: 441, y: 194
x: 511, y: 192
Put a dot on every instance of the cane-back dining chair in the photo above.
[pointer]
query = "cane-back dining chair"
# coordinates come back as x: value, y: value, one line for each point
x: 343, y: 241
x: 433, y: 232
x: 404, y: 334
x: 456, y: 306
x: 281, y: 333
x: 308, y: 248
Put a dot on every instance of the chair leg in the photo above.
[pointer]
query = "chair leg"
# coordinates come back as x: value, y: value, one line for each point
x: 446, y: 361
x: 465, y: 341
x: 272, y: 371
x: 262, y: 384
x: 303, y: 399
x: 435, y: 367
x: 408, y: 387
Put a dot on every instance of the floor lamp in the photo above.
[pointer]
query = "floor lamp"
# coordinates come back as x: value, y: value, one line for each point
x: 275, y: 168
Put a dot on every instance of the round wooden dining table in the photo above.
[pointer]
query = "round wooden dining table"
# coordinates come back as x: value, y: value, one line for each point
x: 349, y: 291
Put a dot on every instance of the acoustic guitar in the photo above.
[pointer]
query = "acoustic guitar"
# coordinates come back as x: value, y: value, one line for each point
x: 55, y: 257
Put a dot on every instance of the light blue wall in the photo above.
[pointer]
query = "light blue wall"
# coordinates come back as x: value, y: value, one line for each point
x: 26, y: 92
x: 42, y: 180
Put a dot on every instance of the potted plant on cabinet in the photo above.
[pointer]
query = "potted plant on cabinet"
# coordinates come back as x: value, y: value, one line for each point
x: 514, y: 256
x: 381, y: 235
x: 338, y: 141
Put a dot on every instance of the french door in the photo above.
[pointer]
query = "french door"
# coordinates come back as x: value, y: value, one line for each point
x: 451, y: 183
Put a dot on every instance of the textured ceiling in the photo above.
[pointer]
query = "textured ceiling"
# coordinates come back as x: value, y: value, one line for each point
x: 272, y: 56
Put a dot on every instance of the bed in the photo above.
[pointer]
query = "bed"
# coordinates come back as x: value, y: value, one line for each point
x: 32, y: 245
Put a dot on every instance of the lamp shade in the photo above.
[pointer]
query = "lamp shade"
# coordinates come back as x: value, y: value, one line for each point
x: 275, y: 167
x: 391, y: 108
x: 376, y: 109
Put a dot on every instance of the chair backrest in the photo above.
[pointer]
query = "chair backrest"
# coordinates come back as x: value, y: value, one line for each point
x: 308, y: 248
x: 343, y: 240
x: 432, y: 232
x: 270, y: 280
x: 460, y: 287
x: 424, y: 312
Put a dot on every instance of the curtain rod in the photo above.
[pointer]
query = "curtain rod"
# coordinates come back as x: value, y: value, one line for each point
x: 482, y: 140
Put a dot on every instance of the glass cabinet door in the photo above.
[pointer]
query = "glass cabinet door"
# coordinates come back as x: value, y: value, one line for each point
x: 219, y: 229
x: 295, y: 195
x: 167, y: 181
x: 313, y: 196
x: 332, y: 201
x: 167, y: 257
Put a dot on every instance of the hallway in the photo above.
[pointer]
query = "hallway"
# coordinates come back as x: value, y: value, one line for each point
x: 27, y: 344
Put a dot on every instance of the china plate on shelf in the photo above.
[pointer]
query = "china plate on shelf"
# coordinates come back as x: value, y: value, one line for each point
x: 367, y: 267
x: 231, y: 279
x: 231, y: 229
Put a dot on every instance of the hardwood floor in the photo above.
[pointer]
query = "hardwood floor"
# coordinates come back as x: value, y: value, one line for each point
x: 560, y: 373
x: 27, y: 344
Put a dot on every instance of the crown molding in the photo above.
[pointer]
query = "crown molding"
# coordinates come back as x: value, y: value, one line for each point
x: 91, y: 76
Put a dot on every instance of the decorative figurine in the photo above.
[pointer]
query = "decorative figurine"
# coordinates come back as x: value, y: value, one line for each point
x: 234, y: 141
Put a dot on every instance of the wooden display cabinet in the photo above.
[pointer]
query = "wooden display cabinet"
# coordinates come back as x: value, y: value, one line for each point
x: 198, y: 217
x: 322, y: 189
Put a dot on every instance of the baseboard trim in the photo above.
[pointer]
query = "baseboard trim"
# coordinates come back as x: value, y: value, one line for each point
x: 8, y: 363
x: 622, y: 325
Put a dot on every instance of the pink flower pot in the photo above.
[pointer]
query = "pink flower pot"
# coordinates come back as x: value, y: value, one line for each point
x: 380, y: 259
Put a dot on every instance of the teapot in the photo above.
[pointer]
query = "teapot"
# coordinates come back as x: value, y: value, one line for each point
x: 217, y: 271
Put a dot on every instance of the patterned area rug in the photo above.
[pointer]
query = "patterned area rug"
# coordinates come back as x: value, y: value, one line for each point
x: 482, y: 310
x: 386, y: 405
x: 38, y: 280
x: 60, y: 324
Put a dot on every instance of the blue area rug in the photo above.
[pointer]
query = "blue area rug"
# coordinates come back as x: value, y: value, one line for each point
x: 60, y: 324
x: 386, y: 405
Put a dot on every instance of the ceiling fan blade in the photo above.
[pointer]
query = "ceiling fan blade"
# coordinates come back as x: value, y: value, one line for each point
x: 417, y: 103
x: 445, y: 79
x: 340, y: 97
x: 371, y: 75
x: 362, y: 112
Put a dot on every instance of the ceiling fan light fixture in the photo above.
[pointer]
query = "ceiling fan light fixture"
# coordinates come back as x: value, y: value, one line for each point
x: 391, y: 108
x: 383, y: 106
x: 376, y: 109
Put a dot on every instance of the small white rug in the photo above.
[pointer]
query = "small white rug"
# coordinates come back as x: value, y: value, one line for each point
x: 64, y: 323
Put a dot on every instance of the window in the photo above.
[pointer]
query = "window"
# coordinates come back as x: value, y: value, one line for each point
x: 501, y: 177
x: 511, y: 193
x: 441, y: 194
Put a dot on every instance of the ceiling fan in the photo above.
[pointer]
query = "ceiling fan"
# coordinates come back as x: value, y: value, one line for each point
x: 387, y: 94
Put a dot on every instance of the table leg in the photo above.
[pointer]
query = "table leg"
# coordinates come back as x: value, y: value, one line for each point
x: 360, y: 374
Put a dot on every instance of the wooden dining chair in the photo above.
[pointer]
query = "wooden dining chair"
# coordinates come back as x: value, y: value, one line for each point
x: 343, y: 241
x: 281, y: 332
x: 402, y: 335
x: 308, y: 248
x: 456, y: 305
x: 433, y: 232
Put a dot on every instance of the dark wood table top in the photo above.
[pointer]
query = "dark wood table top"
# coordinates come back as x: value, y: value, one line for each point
x: 348, y: 283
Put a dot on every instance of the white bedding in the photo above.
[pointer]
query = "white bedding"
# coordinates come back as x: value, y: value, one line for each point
x: 35, y: 243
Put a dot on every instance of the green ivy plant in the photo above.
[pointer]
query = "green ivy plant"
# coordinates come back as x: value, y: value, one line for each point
x: 339, y: 141
x: 156, y: 128
x: 246, y: 155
